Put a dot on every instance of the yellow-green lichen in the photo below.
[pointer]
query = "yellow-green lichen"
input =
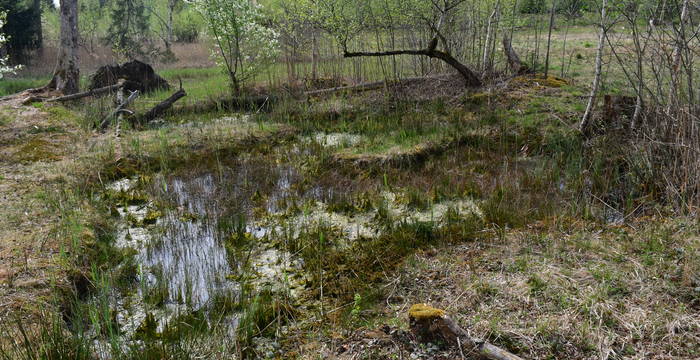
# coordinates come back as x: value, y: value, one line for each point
x: 425, y: 312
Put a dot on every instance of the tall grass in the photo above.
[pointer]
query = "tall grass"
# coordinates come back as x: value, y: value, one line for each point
x: 46, y: 338
x: 9, y: 86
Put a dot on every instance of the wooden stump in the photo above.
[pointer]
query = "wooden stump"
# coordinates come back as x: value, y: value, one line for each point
x: 433, y: 325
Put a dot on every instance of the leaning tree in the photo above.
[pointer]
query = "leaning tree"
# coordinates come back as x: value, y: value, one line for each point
x: 349, y: 20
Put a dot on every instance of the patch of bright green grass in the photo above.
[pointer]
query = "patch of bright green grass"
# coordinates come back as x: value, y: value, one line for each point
x: 13, y: 86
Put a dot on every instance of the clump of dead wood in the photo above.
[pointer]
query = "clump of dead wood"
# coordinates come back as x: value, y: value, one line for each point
x: 433, y: 325
x: 135, y: 75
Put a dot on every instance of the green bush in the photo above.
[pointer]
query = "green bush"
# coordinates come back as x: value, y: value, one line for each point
x: 186, y: 27
x: 533, y: 7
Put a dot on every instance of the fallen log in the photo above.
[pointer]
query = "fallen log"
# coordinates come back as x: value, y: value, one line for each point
x: 365, y: 86
x: 95, y: 92
x: 162, y: 106
x: 120, y: 109
x: 352, y: 88
x: 433, y: 325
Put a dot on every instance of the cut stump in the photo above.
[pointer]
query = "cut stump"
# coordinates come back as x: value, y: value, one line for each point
x: 433, y: 325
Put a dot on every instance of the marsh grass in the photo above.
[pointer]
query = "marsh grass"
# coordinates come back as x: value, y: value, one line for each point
x: 589, y: 291
x: 46, y: 338
x: 14, y: 85
x: 525, y: 268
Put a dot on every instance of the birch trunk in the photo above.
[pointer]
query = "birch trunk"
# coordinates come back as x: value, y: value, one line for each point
x: 486, y: 62
x: 676, y: 59
x: 314, y: 54
x: 585, y: 121
x: 549, y: 38
x: 66, y: 78
x: 171, y: 11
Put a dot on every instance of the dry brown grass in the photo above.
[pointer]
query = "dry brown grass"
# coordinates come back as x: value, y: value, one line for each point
x: 195, y: 55
x: 563, y: 291
x: 36, y: 154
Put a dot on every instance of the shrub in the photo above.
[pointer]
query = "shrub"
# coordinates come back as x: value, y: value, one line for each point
x: 533, y: 7
x: 187, y: 26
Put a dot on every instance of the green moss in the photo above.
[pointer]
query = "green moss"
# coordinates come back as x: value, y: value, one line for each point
x: 152, y: 217
x: 147, y: 329
x: 37, y: 149
x: 60, y: 114
x: 127, y: 198
x: 538, y: 80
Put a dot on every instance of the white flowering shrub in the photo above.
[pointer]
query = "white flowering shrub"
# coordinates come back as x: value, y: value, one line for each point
x: 4, y: 67
x: 244, y: 45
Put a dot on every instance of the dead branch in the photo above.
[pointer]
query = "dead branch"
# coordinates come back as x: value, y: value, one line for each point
x: 96, y: 92
x: 470, y: 78
x: 365, y: 86
x: 120, y: 109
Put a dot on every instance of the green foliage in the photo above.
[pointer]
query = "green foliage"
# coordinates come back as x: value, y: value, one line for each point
x: 187, y: 25
x: 262, y: 312
x: 533, y: 7
x: 244, y: 44
x: 49, y: 340
x: 502, y: 209
x: 23, y: 27
x: 93, y: 19
x: 128, y: 29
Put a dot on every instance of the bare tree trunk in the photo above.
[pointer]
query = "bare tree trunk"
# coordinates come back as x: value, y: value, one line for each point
x: 433, y: 325
x: 66, y: 78
x: 549, y: 38
x: 585, y: 121
x: 163, y: 106
x: 39, y: 31
x: 171, y: 13
x: 314, y: 54
x: 486, y: 62
x: 563, y: 51
x: 512, y: 57
x: 676, y: 59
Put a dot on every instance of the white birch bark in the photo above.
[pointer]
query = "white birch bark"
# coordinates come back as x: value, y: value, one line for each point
x: 676, y: 57
x: 585, y: 121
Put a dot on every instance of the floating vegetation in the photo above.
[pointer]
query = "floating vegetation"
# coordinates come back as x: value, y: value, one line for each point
x: 331, y: 140
x: 223, y: 233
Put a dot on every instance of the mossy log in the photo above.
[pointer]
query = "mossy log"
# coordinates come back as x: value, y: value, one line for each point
x: 429, y: 324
